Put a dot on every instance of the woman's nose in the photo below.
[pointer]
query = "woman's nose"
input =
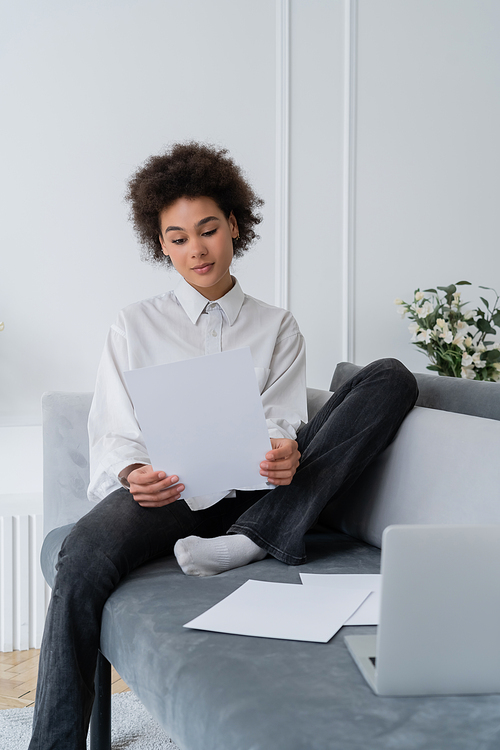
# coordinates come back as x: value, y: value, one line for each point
x: 198, y: 247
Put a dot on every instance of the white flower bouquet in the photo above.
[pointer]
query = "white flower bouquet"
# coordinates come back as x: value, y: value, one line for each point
x: 454, y: 339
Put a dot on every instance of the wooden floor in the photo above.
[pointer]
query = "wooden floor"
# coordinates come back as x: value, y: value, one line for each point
x: 18, y: 673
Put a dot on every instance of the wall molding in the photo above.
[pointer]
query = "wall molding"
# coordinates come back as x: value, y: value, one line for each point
x: 349, y: 179
x: 282, y: 209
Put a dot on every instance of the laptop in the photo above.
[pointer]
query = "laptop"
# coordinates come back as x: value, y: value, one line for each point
x: 439, y: 626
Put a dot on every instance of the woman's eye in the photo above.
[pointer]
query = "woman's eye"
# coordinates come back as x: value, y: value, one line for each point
x: 180, y: 241
x: 209, y: 233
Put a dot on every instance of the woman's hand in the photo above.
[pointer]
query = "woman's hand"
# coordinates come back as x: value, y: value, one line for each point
x: 152, y: 489
x: 281, y: 462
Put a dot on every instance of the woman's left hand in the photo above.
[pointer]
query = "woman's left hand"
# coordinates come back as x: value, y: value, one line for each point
x: 281, y: 462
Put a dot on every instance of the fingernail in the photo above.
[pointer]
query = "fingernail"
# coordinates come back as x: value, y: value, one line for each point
x: 174, y: 479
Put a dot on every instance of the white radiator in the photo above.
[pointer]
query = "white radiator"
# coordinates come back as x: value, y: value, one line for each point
x: 24, y: 594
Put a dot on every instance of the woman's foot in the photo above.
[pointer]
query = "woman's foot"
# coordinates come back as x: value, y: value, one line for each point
x: 208, y: 557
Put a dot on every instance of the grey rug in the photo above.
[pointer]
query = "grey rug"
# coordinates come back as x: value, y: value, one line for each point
x: 132, y: 728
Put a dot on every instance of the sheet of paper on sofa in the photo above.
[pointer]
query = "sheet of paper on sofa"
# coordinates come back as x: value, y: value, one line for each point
x: 203, y: 420
x: 281, y: 610
x: 368, y: 612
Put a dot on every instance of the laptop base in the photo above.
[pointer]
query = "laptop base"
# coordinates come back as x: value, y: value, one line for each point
x: 363, y: 649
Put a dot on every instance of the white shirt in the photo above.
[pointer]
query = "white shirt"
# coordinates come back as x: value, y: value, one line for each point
x: 179, y: 325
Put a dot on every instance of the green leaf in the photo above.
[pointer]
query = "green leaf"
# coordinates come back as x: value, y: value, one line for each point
x: 446, y: 356
x: 461, y: 283
x: 485, y: 302
x: 448, y: 290
x: 430, y: 290
x: 484, y: 326
x: 487, y: 287
x: 492, y: 356
x: 433, y: 367
x: 496, y: 318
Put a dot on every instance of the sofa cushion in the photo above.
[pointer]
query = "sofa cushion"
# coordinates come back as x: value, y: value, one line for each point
x: 477, y: 398
x: 315, y: 400
x: 442, y: 467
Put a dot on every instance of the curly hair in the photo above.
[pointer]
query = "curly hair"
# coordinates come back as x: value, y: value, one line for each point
x: 190, y: 170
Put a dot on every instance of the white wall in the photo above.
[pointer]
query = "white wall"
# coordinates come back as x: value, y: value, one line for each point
x: 316, y: 169
x: 428, y: 160
x: 90, y: 89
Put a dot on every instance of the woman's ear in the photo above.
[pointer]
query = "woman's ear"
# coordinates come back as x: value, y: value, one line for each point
x: 233, y: 225
x: 163, y: 246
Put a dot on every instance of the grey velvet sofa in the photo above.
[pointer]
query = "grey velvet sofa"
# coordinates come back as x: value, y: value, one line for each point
x: 212, y: 691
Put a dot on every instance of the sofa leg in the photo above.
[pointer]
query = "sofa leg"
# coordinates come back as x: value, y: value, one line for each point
x: 100, y: 721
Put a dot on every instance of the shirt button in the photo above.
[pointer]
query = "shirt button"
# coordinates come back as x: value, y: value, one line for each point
x: 214, y: 333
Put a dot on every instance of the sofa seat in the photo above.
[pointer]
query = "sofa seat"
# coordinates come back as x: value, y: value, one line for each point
x: 215, y: 691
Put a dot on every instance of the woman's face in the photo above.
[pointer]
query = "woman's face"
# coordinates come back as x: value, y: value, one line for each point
x: 198, y: 239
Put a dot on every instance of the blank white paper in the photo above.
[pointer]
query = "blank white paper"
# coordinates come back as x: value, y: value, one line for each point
x: 369, y: 611
x: 281, y: 610
x: 202, y: 419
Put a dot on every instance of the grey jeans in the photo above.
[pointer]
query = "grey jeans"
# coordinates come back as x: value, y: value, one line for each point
x: 118, y: 535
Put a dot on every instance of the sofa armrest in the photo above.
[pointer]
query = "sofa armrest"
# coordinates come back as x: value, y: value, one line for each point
x: 65, y: 458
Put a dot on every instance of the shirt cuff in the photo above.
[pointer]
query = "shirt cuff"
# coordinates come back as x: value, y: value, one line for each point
x: 124, y: 480
x: 280, y: 430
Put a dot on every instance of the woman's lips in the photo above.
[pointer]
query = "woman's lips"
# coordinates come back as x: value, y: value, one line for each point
x: 205, y: 268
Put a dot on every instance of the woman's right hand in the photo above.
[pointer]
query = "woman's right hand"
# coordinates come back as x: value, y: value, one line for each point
x: 153, y: 489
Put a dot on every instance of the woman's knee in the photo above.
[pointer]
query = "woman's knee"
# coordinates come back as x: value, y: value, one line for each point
x: 402, y: 379
x: 50, y: 551
x: 87, y: 550
x: 395, y: 377
x: 83, y: 567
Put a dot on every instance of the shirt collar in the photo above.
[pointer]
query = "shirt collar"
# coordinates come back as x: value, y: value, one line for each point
x: 194, y: 303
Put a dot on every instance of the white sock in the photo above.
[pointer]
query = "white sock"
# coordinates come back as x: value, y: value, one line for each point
x: 207, y: 557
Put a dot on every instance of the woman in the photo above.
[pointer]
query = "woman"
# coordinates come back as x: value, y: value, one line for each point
x: 193, y: 208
